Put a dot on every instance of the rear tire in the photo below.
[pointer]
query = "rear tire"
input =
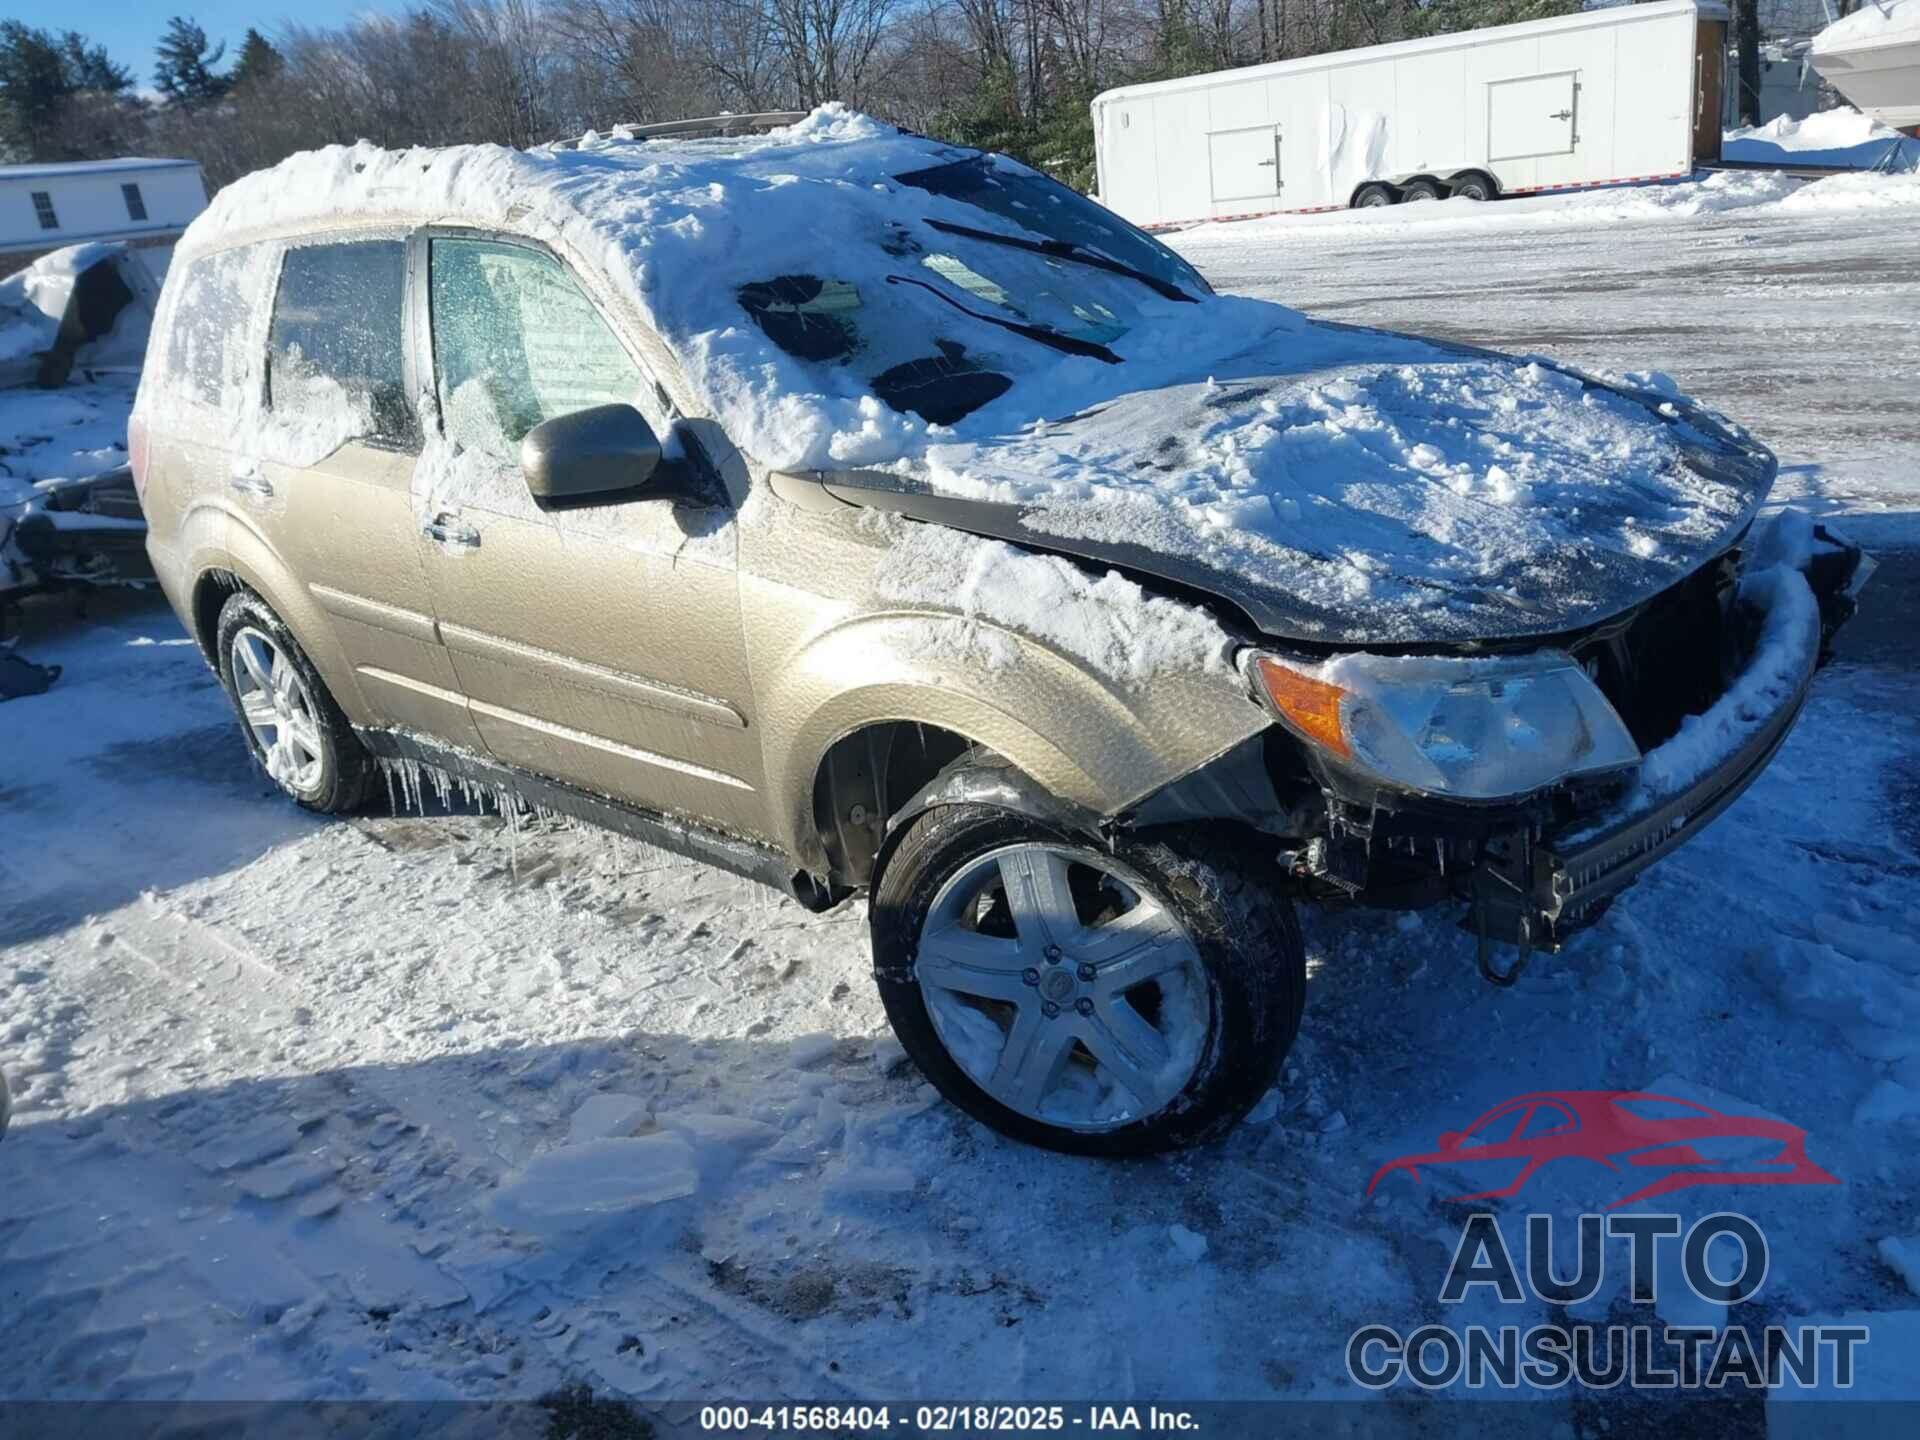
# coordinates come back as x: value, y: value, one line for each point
x: 293, y: 729
x: 1421, y: 190
x: 1472, y: 186
x: 1054, y: 1043
x: 1372, y: 197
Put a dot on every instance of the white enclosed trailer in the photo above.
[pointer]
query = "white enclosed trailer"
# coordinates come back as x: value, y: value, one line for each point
x: 1598, y: 98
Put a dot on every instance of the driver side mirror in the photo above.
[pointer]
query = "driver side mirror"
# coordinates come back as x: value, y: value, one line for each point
x: 591, y: 453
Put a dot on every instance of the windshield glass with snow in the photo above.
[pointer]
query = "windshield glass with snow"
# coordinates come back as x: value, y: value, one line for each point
x: 947, y: 316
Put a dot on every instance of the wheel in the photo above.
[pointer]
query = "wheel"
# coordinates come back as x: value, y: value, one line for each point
x: 1471, y: 186
x: 291, y: 723
x: 1421, y: 190
x: 1091, y: 1002
x: 1372, y: 197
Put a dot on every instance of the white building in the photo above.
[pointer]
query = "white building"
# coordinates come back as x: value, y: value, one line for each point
x: 145, y: 203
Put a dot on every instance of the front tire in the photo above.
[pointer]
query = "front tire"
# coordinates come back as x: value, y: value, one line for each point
x: 293, y: 728
x: 1089, y: 1001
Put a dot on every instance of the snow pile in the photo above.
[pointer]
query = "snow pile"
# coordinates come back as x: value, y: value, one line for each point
x: 1859, y: 192
x: 1832, y: 137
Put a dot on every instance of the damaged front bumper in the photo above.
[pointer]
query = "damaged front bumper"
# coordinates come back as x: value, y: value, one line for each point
x: 1533, y: 893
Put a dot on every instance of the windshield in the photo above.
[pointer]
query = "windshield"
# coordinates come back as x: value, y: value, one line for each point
x: 1045, y: 208
x: 953, y: 306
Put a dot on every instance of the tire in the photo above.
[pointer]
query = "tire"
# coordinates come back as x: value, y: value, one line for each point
x: 1421, y: 190
x: 326, y: 769
x: 1223, y: 949
x: 1372, y: 197
x: 1471, y: 186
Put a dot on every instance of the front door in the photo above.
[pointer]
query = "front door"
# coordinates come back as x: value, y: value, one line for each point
x: 335, y: 458
x: 1535, y: 115
x: 598, y: 645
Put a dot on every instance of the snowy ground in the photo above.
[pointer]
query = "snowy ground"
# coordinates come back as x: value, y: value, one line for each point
x: 313, y: 1109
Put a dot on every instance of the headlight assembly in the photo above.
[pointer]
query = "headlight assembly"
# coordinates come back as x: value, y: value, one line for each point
x: 1474, y: 729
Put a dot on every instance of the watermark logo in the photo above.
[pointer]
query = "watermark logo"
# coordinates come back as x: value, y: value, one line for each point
x: 1676, y: 1144
x: 1646, y: 1355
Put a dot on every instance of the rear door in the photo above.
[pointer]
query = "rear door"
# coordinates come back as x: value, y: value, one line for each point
x: 331, y: 474
x: 600, y: 644
x: 1532, y: 116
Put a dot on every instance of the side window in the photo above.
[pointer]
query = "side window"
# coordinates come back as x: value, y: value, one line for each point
x: 211, y: 320
x: 334, y: 352
x: 516, y: 342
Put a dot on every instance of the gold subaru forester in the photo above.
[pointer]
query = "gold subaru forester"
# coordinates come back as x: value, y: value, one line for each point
x: 868, y: 514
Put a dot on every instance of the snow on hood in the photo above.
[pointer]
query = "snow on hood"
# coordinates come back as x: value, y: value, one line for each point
x: 1338, y: 484
x: 1350, y: 486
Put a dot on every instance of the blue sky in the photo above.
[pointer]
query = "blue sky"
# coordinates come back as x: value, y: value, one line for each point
x: 130, y: 28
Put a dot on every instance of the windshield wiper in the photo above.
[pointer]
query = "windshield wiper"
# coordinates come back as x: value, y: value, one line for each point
x: 1067, y: 250
x: 1071, y: 345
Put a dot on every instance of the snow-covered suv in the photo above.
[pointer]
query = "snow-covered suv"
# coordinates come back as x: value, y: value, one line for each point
x: 868, y: 514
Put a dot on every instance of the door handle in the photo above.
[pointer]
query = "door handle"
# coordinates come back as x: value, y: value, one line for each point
x: 1266, y: 164
x: 1561, y: 115
x: 449, y: 531
x: 248, y: 482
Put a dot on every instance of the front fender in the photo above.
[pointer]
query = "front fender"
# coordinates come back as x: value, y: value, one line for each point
x: 1092, y: 743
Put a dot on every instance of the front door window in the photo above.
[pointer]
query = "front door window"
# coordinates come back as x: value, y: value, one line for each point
x: 516, y: 342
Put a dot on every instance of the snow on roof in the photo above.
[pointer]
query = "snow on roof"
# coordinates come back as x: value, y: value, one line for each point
x: 1874, y: 23
x: 59, y: 169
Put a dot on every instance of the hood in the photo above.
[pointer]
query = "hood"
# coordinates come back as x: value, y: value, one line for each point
x: 1391, y: 491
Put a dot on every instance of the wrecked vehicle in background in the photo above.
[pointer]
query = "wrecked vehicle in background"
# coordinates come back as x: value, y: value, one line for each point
x: 73, y: 336
x: 864, y: 513
x: 87, y: 307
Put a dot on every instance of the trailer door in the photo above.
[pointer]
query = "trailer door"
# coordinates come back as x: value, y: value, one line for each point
x: 1245, y: 163
x: 1709, y: 81
x: 1532, y: 116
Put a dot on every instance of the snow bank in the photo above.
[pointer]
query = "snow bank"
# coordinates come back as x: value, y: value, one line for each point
x: 1831, y: 137
x: 1858, y: 192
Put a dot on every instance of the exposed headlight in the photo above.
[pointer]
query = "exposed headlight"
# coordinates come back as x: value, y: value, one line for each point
x: 1476, y: 729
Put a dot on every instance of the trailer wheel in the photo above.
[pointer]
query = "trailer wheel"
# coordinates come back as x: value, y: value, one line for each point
x: 1422, y: 189
x: 1472, y: 186
x: 1372, y: 197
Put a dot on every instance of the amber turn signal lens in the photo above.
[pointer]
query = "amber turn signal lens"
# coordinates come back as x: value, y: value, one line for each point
x: 1311, y: 706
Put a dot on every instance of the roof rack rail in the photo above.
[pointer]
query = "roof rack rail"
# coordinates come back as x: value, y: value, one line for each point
x: 705, y: 125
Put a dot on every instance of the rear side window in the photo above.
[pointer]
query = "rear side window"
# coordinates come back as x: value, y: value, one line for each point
x: 212, y: 318
x: 516, y: 342
x: 334, y: 350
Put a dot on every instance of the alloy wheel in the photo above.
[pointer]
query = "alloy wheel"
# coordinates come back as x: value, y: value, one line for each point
x: 1063, y: 987
x: 279, y: 711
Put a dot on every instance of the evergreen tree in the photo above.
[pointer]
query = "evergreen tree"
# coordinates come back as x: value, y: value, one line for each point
x: 258, y: 62
x: 185, y: 73
x: 40, y: 73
